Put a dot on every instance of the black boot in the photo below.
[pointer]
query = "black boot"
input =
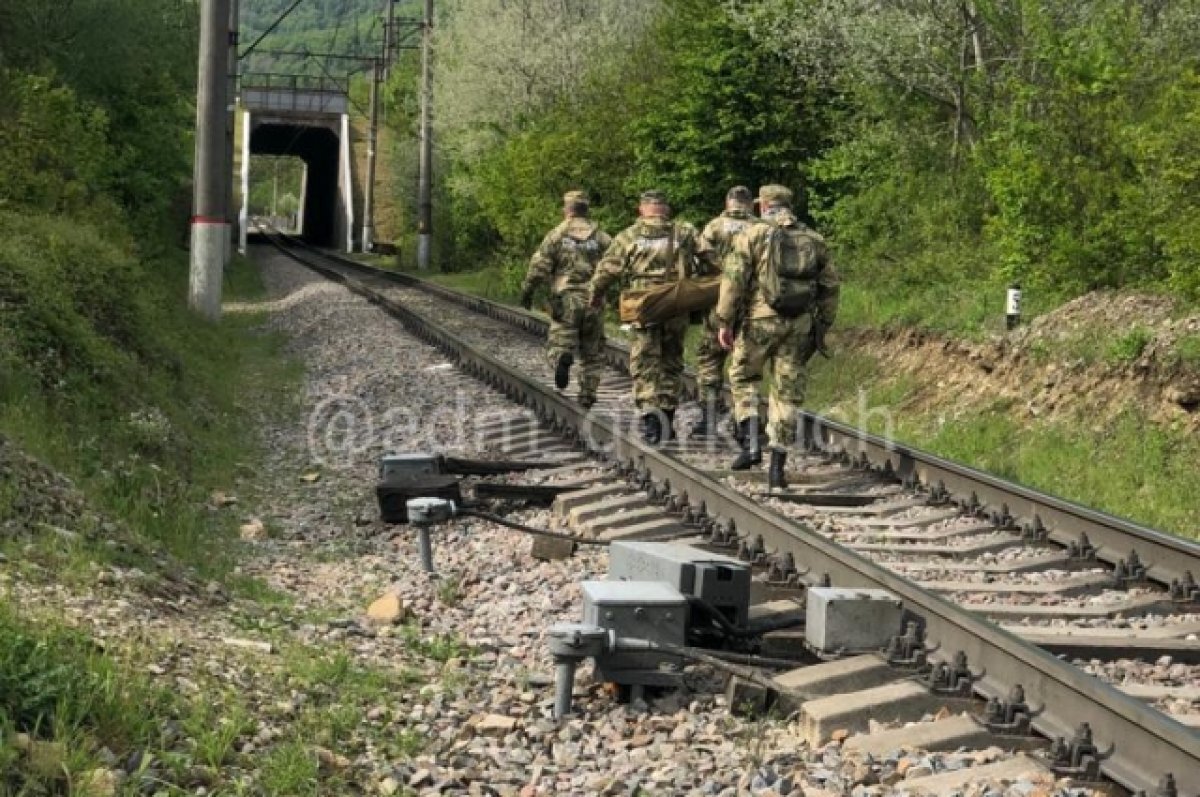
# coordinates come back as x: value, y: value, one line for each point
x: 751, y: 449
x: 669, y: 431
x: 712, y: 408
x: 652, y: 428
x: 562, y: 370
x: 775, y: 472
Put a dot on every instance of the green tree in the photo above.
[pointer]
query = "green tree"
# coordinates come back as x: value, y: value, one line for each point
x: 721, y: 110
x: 54, y: 152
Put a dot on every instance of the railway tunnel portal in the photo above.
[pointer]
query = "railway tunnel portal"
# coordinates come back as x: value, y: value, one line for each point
x: 304, y: 117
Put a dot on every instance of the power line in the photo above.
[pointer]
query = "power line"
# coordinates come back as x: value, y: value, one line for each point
x: 270, y: 29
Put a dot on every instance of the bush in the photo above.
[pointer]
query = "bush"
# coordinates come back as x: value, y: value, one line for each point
x: 57, y: 685
x: 78, y: 309
x: 54, y: 153
x: 1128, y: 347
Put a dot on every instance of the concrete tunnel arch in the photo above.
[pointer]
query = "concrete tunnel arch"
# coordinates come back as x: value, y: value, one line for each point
x: 322, y: 142
x: 320, y: 149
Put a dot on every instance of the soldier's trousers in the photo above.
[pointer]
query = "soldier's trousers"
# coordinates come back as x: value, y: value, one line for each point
x: 578, y: 329
x: 786, y: 344
x: 656, y: 364
x: 710, y: 361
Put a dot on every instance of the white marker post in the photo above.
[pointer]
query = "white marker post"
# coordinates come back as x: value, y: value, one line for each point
x: 1012, y: 306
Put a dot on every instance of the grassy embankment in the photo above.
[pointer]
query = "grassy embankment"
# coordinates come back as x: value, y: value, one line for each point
x: 107, y: 379
x: 1132, y: 468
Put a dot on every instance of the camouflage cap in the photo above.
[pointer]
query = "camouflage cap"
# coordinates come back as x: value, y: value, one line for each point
x: 572, y: 197
x: 774, y: 195
x: 739, y: 193
x: 654, y: 197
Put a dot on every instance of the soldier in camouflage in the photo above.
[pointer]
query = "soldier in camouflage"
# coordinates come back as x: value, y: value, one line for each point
x: 653, y: 251
x: 565, y: 262
x: 716, y: 241
x: 764, y: 333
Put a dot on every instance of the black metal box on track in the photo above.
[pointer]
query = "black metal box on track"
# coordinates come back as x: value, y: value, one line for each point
x: 394, y: 494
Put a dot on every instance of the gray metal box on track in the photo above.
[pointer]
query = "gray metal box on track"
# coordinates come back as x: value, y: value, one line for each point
x: 648, y: 610
x: 408, y: 465
x: 719, y: 580
x: 851, y: 619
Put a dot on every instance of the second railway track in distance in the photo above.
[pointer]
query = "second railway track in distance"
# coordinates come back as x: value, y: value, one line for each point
x: 1095, y: 618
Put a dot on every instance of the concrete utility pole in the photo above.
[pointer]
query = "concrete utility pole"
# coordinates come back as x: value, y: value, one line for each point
x: 231, y: 210
x: 425, y: 179
x: 210, y: 228
x: 368, y: 231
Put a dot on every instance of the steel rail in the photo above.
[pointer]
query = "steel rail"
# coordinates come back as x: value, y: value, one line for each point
x: 1167, y: 557
x: 1144, y: 743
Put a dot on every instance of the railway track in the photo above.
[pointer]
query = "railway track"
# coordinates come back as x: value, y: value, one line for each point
x: 1020, y: 583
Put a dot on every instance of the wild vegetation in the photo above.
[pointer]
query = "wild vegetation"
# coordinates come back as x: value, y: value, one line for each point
x: 948, y: 148
x: 104, y: 376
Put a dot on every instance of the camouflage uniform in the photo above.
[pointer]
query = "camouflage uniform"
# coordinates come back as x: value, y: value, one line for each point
x: 565, y: 262
x: 716, y: 241
x: 763, y: 334
x: 639, y: 257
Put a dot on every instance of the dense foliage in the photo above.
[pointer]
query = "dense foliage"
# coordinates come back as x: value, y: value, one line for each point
x: 95, y: 114
x: 948, y: 148
x: 1050, y: 143
x: 95, y: 146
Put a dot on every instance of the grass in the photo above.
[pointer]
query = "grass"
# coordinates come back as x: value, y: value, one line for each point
x: 71, y: 698
x: 58, y: 686
x: 1187, y: 352
x: 450, y: 591
x: 216, y: 731
x: 146, y: 439
x: 291, y: 768
x: 1128, y: 347
x: 154, y: 467
x: 492, y: 282
x: 1131, y: 468
x: 439, y: 647
x: 832, y: 381
x: 962, y: 307
x: 107, y: 379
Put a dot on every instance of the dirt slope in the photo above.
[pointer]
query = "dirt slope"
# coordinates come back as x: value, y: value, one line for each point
x: 1095, y: 357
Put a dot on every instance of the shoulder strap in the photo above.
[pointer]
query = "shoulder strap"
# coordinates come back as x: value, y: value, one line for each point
x: 775, y: 247
x: 671, y: 252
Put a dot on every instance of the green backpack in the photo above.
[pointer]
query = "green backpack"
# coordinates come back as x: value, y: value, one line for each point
x: 795, y: 259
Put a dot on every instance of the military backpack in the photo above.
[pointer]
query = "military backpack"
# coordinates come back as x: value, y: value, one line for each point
x: 789, y: 282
